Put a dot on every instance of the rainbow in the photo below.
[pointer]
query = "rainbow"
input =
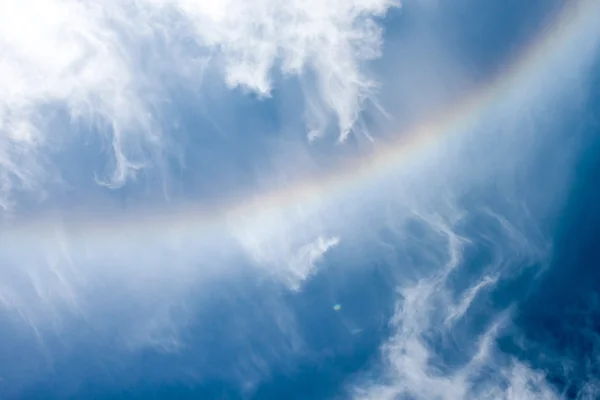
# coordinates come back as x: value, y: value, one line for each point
x: 577, y: 21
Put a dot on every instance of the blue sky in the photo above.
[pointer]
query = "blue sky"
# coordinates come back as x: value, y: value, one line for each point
x: 240, y: 199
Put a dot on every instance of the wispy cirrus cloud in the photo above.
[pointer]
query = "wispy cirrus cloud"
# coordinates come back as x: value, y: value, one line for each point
x: 329, y: 40
x: 100, y: 68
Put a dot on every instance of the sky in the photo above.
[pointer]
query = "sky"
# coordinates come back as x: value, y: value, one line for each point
x: 310, y: 199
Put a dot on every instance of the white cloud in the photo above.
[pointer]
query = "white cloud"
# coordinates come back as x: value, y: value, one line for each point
x: 102, y: 63
x: 64, y: 55
x: 303, y: 263
x: 432, y: 306
x: 329, y: 39
x: 286, y: 243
